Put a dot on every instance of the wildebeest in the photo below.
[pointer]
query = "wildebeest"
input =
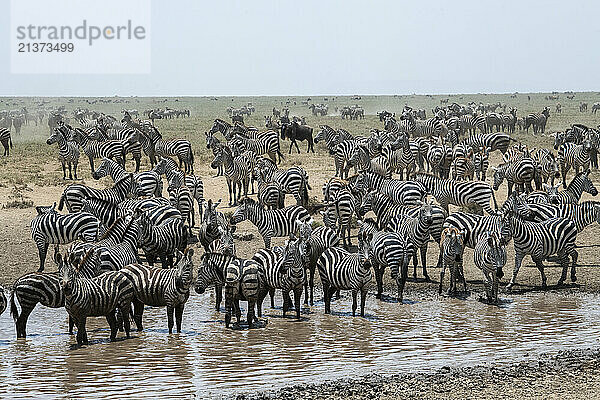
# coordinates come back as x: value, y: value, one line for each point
x: 294, y: 131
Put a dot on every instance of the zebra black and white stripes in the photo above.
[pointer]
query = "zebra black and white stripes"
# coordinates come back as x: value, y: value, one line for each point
x: 68, y: 153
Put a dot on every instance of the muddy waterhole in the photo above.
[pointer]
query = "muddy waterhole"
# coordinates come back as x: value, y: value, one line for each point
x: 208, y: 360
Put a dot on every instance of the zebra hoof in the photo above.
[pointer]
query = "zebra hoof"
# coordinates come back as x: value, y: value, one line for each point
x: 573, y: 278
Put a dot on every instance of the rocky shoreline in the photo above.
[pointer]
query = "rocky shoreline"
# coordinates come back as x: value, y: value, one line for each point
x: 570, y: 374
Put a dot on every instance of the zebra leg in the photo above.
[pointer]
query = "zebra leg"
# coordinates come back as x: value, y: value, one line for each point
x: 250, y: 314
x: 42, y: 250
x: 540, y: 267
x: 354, y: 295
x: 81, y: 333
x: 415, y: 265
x: 75, y: 170
x: 287, y: 301
x: 218, y: 297
x: 137, y: 164
x: 297, y: 299
x: 272, y: 296
x: 575, y: 256
x: 452, y: 287
x: 327, y: 293
x: 462, y: 276
x: 170, y: 318
x: 312, y: 284
x: 238, y: 312
x: 112, y: 323
x: 71, y: 325
x: 64, y: 170
x: 424, y: 261
x: 306, y: 274
x: 401, y: 281
x: 179, y: 315
x: 442, y: 273
x: 138, y: 312
x: 21, y: 322
x: 518, y: 260
x: 378, y: 279
x: 91, y: 163
x: 363, y: 299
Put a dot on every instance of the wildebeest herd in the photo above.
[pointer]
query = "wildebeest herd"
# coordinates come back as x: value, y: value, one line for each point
x: 407, y: 172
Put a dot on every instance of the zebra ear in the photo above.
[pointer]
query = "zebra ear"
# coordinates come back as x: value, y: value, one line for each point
x: 54, y: 206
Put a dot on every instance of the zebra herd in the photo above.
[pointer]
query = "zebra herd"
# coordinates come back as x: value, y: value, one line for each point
x: 406, y: 175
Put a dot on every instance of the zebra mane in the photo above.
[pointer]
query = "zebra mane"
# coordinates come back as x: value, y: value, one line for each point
x: 576, y: 178
x: 112, y: 228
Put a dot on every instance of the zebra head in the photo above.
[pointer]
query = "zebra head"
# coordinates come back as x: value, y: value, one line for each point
x: 426, y: 213
x: 218, y: 160
x: 184, y: 267
x: 243, y: 210
x: 55, y: 136
x: 499, y: 175
x: 453, y: 244
x: 321, y: 135
x: 365, y: 248
x: 367, y: 203
x: 304, y: 229
x: 497, y: 251
x: 104, y: 169
x: 293, y: 254
x: 588, y: 185
x: 210, y: 271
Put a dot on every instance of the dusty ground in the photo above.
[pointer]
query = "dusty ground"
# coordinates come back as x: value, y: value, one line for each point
x: 33, y: 172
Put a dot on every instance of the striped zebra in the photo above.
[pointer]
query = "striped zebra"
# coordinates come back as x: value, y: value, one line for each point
x: 537, y: 121
x: 475, y: 226
x: 470, y: 124
x: 321, y: 238
x: 401, y: 192
x: 266, y: 143
x: 68, y: 153
x: 181, y: 198
x: 572, y: 194
x: 212, y: 220
x: 93, y: 148
x: 74, y: 194
x: 458, y: 193
x: 439, y: 158
x: 344, y: 206
x: 270, y: 194
x: 491, y: 141
x: 519, y: 171
x: 193, y: 182
x: 547, y: 167
x: 243, y: 281
x: 493, y: 120
x: 180, y: 148
x: 293, y: 180
x: 582, y: 214
x: 481, y: 163
x: 340, y: 269
x: 149, y: 182
x: 541, y: 240
x: 285, y: 270
x: 50, y: 227
x: 427, y: 128
x: 509, y: 120
x: 6, y: 140
x: 329, y: 136
x: 574, y: 156
x: 3, y: 300
x: 462, y: 168
x: 161, y: 241
x: 212, y: 272
x: 344, y: 157
x: 95, y: 297
x: 490, y: 257
x: 270, y: 223
x: 236, y: 171
x: 129, y: 138
x: 156, y: 287
x: 43, y: 288
x: 379, y: 165
x: 213, y: 143
x: 406, y: 160
x: 393, y: 250
x: 452, y: 247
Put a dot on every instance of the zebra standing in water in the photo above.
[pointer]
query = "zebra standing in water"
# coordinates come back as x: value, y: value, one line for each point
x: 458, y: 193
x: 345, y: 204
x: 6, y: 140
x: 50, y: 227
x: 243, y: 281
x: 270, y: 223
x: 68, y: 153
x: 340, y: 269
x: 149, y: 182
x: 490, y: 257
x: 161, y: 241
x: 157, y: 287
x: 95, y: 297
x: 571, y: 155
x: 452, y: 247
x: 320, y: 239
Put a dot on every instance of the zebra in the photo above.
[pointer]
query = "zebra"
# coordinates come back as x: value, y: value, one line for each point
x: 427, y: 128
x: 490, y: 257
x: 215, y: 146
x: 265, y: 143
x: 452, y: 247
x: 193, y: 182
x: 50, y: 227
x: 44, y: 288
x: 330, y: 137
x: 93, y: 148
x: 95, y: 297
x: 572, y: 194
x: 285, y: 270
x: 243, y: 281
x: 68, y: 153
x: 149, y: 182
x: 458, y: 193
x: 470, y: 124
x: 583, y: 214
x: 236, y: 172
x: 270, y: 223
x: 292, y: 181
x: 379, y: 165
x: 475, y: 226
x: 129, y: 138
x: 540, y: 240
x: 3, y: 300
x: 481, y: 163
x: 491, y: 141
x: 547, y: 167
x: 439, y: 158
x: 181, y: 198
x: 320, y: 239
x: 212, y: 272
x: 180, y: 148
x: 345, y: 204
x: 393, y: 250
x: 344, y: 157
x: 509, y: 120
x: 269, y: 193
x: 462, y: 168
x: 407, y: 159
x: 162, y: 240
x: 519, y: 172
x: 340, y: 269
x: 74, y: 194
x: 538, y: 121
x: 574, y: 156
x: 6, y: 140
x: 212, y: 220
x: 157, y: 287
x: 401, y: 192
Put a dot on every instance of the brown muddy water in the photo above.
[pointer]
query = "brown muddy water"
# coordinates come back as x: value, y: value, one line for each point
x: 207, y: 360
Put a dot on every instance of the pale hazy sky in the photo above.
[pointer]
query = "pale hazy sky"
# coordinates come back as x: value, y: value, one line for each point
x: 312, y: 47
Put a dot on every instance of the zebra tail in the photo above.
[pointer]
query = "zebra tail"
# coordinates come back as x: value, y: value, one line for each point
x: 10, y: 141
x: 495, y: 203
x: 61, y: 203
x: 13, y: 306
